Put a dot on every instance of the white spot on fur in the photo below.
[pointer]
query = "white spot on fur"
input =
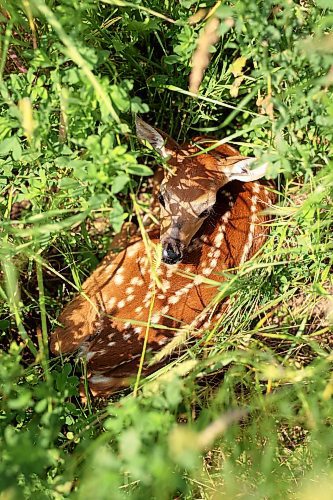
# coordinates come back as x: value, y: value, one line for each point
x: 119, y: 278
x: 198, y: 280
x: 218, y: 239
x: 138, y: 309
x: 155, y: 318
x: 213, y: 263
x: 127, y: 336
x: 254, y: 204
x: 121, y: 304
x: 136, y: 281
x: 129, y: 290
x: 163, y: 341
x: 226, y: 217
x: 173, y: 299
x: 253, y: 218
x: 159, y: 271
x: 100, y: 379
x: 171, y: 270
x: 138, y: 329
x: 165, y: 309
x: 112, y: 302
x: 133, y: 249
x: 111, y: 344
x: 166, y: 284
x: 147, y: 297
x: 130, y: 298
x: 141, y: 260
x: 90, y: 355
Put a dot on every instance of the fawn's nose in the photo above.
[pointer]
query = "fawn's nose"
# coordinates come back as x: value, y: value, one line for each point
x: 172, y: 253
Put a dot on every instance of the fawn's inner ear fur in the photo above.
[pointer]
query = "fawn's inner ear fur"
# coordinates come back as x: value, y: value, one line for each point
x: 160, y: 141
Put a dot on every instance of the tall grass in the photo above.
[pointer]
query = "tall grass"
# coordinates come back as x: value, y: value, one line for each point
x: 246, y: 412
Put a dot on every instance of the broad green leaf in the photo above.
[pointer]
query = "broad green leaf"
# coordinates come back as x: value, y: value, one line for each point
x: 139, y: 169
x: 119, y: 183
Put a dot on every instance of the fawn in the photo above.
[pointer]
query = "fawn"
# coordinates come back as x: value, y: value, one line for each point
x: 204, y: 230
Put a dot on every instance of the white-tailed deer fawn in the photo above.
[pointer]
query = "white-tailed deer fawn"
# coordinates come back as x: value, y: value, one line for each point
x: 204, y: 231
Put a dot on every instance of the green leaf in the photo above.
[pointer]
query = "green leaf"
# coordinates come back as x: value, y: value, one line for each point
x: 325, y: 4
x: 17, y: 150
x: 7, y: 146
x: 119, y: 97
x: 119, y: 183
x: 138, y: 169
x: 23, y: 400
x: 117, y: 216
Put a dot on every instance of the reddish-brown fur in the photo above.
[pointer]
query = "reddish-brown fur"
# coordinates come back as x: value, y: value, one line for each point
x: 107, y: 320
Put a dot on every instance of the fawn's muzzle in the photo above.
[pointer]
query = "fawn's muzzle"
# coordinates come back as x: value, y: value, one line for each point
x: 172, y: 252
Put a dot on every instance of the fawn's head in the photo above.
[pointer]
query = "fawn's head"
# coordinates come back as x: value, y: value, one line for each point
x: 188, y: 192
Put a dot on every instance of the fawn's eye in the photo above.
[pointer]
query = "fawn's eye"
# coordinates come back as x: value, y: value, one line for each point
x: 161, y: 200
x: 205, y: 213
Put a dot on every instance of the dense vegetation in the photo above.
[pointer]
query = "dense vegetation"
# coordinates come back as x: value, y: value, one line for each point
x: 247, y: 411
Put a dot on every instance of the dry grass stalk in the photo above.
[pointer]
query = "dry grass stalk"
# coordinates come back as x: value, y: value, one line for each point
x: 208, y: 37
x: 265, y: 106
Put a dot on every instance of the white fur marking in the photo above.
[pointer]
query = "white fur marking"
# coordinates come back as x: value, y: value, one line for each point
x: 119, y: 278
x: 112, y: 303
x: 155, y: 318
x: 198, y: 280
x: 166, y: 284
x: 136, y: 281
x: 253, y: 218
x: 100, y: 379
x: 173, y: 299
x: 165, y: 309
x: 213, y: 263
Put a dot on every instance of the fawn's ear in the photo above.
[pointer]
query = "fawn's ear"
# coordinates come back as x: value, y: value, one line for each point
x: 240, y: 170
x: 160, y: 141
